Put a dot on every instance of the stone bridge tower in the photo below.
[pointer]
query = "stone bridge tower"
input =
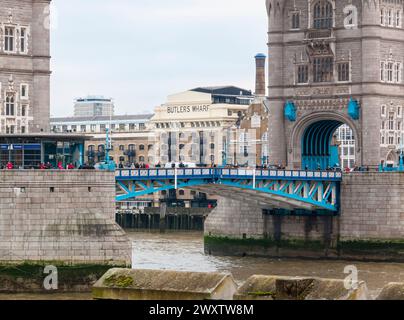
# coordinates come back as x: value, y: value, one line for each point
x: 24, y: 66
x: 333, y: 63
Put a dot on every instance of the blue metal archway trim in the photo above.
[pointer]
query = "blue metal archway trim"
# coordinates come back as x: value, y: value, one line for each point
x: 316, y: 142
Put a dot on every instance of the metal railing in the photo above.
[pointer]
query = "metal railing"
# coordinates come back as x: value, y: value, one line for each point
x: 218, y: 173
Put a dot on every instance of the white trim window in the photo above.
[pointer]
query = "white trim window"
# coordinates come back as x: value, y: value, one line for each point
x: 9, y: 39
x: 389, y: 72
x: 382, y: 71
x: 390, y: 18
x: 24, y: 110
x: 24, y: 91
x: 398, y: 72
x: 399, y: 15
x: 382, y: 16
x: 10, y: 104
x: 23, y: 40
x: 295, y: 20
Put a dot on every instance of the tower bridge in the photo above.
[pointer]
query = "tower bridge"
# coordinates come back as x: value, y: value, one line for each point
x: 268, y: 189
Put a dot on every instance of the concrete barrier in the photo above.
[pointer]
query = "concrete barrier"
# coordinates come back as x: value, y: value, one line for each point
x: 290, y: 288
x: 126, y: 284
x: 393, y: 291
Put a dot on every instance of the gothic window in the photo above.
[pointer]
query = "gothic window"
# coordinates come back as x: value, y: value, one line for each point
x: 323, y: 15
x: 391, y: 121
x: 303, y: 74
x: 10, y: 104
x: 295, y: 20
x: 9, y: 36
x: 343, y: 71
x: 323, y: 69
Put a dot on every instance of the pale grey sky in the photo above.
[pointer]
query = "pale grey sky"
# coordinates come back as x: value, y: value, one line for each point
x: 140, y: 51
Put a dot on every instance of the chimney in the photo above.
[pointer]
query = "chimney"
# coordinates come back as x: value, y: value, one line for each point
x: 260, y: 88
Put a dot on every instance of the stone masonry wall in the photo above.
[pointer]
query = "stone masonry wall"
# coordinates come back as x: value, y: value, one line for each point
x: 60, y: 216
x: 372, y: 206
x: 233, y: 218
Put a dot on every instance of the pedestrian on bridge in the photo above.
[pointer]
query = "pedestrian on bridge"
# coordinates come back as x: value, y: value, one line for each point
x: 10, y: 166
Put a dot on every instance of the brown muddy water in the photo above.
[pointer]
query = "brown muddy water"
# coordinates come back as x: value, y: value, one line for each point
x: 183, y: 251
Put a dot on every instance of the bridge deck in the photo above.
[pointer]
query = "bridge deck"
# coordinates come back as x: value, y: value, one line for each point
x: 278, y: 189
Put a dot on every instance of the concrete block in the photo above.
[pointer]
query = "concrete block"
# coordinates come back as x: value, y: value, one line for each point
x: 293, y: 288
x: 126, y: 284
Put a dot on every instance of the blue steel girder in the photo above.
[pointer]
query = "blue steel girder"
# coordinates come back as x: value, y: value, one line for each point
x: 317, y: 189
x: 151, y: 188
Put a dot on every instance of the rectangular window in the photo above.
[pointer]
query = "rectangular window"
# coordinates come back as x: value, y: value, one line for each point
x: 23, y: 110
x: 382, y: 71
x: 397, y: 72
x: 390, y: 18
x: 382, y: 17
x: 398, y: 19
x: 296, y: 20
x: 93, y: 127
x: 323, y: 69
x: 83, y: 128
x: 23, y: 40
x: 343, y: 71
x: 24, y: 91
x: 9, y: 39
x: 390, y: 72
x: 303, y: 74
x: 23, y: 129
x: 122, y: 127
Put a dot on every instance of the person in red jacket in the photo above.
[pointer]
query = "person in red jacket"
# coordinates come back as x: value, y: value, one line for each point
x: 70, y: 166
x: 60, y: 166
x: 10, y: 166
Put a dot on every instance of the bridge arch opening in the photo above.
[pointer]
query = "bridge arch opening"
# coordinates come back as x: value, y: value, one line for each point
x: 324, y: 140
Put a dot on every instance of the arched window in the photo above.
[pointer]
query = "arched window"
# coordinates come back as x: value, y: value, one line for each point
x: 323, y: 15
x: 10, y: 105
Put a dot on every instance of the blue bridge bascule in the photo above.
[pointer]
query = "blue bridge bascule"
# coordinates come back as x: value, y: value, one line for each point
x: 270, y: 189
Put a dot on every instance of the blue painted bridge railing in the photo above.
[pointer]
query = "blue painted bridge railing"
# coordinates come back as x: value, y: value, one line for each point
x: 280, y: 189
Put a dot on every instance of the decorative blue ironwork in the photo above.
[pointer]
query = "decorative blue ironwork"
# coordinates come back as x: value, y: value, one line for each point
x: 290, y: 111
x: 108, y: 164
x: 308, y: 190
x: 353, y: 109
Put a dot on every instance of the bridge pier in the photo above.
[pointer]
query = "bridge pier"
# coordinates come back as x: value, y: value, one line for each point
x: 369, y: 226
x: 239, y: 228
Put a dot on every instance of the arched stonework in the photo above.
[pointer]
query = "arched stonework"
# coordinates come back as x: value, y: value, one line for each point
x: 295, y: 141
x: 392, y: 158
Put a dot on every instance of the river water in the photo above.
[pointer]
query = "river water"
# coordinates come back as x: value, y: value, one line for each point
x: 183, y: 251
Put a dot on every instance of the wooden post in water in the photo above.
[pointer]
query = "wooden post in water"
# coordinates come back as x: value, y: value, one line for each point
x: 163, y: 213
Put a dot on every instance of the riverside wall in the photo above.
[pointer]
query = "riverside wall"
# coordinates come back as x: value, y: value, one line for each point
x: 60, y: 217
x: 370, y: 225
